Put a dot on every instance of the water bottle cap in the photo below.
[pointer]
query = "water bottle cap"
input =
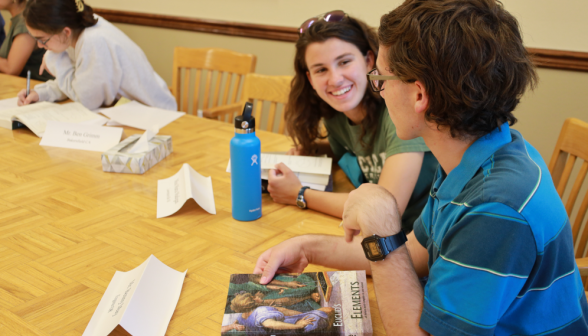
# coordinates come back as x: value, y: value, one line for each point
x: 246, y: 120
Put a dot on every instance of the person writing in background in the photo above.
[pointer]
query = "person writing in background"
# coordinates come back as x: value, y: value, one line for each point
x: 19, y: 53
x: 93, y: 62
x: 494, y: 238
x: 333, y: 53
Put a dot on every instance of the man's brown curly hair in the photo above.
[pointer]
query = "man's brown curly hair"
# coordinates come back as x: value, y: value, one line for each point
x: 468, y: 54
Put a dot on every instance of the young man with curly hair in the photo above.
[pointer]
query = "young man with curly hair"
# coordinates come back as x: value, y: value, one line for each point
x: 494, y: 238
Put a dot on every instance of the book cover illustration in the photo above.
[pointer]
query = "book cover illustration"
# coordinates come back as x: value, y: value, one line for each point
x: 316, y: 303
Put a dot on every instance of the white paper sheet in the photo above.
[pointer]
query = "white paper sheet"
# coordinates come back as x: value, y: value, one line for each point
x: 8, y: 103
x: 303, y: 177
x: 142, y: 300
x: 113, y: 123
x: 137, y: 115
x: 100, y: 121
x: 299, y: 164
x: 173, y: 192
x: 143, y: 145
x: 80, y: 136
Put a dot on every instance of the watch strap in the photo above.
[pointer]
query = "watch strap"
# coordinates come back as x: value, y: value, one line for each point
x: 393, y: 242
x: 300, y: 198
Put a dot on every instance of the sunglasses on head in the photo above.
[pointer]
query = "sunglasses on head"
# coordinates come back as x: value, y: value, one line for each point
x: 332, y: 16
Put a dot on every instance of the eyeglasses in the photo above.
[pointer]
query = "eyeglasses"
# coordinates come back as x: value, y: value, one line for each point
x: 332, y: 16
x: 44, y: 43
x: 377, y: 81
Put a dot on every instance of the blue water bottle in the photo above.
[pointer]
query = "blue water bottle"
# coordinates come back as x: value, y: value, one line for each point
x: 246, y: 168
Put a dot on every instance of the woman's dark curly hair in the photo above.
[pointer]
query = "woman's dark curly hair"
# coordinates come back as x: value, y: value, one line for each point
x: 305, y: 108
x: 468, y: 54
x: 51, y: 16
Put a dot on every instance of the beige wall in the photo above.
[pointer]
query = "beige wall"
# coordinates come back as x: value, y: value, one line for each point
x: 546, y: 23
x: 560, y: 95
x: 273, y: 57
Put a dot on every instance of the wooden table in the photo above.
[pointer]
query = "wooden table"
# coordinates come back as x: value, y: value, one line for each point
x: 66, y: 227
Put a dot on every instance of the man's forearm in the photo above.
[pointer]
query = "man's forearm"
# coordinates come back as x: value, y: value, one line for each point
x: 334, y: 252
x: 399, y: 293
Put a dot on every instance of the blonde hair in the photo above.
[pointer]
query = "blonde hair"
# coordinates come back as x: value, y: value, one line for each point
x: 243, y: 303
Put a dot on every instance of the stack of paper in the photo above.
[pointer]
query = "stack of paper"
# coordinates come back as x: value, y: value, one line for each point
x: 137, y: 115
x: 312, y: 171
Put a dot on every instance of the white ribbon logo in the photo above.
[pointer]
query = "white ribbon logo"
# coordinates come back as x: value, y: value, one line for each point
x: 254, y: 160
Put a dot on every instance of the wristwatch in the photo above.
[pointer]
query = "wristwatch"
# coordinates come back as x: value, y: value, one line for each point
x: 300, y: 201
x: 376, y: 248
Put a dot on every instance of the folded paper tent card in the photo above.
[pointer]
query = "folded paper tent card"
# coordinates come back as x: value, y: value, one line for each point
x: 174, y: 191
x: 142, y: 301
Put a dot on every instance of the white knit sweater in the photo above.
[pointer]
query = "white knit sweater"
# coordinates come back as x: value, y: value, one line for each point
x: 104, y: 66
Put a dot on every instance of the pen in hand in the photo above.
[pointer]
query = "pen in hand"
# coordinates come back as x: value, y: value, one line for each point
x: 28, y: 82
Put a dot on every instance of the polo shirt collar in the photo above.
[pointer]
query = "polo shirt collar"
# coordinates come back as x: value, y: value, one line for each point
x: 473, y: 158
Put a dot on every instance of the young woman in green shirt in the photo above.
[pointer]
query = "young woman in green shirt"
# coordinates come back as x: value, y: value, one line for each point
x: 19, y: 52
x: 333, y: 55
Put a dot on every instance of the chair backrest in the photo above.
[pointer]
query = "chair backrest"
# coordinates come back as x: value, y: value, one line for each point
x: 219, y: 65
x: 271, y: 89
x: 262, y: 91
x: 572, y: 145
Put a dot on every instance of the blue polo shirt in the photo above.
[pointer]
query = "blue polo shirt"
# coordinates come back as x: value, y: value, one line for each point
x: 501, y: 257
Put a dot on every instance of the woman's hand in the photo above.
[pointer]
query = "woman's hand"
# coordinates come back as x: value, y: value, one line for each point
x: 283, y: 185
x: 23, y: 99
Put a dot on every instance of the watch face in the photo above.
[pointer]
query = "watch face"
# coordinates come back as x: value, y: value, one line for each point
x: 374, y: 249
x: 371, y: 248
x: 301, y: 204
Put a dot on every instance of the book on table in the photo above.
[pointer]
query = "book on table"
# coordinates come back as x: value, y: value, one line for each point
x: 313, y: 303
x: 312, y: 171
x: 35, y: 116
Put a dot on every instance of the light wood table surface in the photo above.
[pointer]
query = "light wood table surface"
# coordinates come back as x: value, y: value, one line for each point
x: 66, y: 227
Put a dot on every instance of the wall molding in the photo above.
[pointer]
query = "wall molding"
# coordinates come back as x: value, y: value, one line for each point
x: 266, y: 32
x: 543, y: 58
x: 560, y: 59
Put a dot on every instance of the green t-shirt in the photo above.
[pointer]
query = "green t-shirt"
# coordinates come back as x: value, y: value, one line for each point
x: 344, y: 137
x: 34, y: 62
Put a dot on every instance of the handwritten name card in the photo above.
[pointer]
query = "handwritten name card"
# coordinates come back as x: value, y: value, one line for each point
x: 173, y: 192
x: 142, y: 301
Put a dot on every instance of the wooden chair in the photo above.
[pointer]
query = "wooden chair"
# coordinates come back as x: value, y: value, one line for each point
x: 215, y: 63
x: 257, y: 90
x: 572, y: 145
